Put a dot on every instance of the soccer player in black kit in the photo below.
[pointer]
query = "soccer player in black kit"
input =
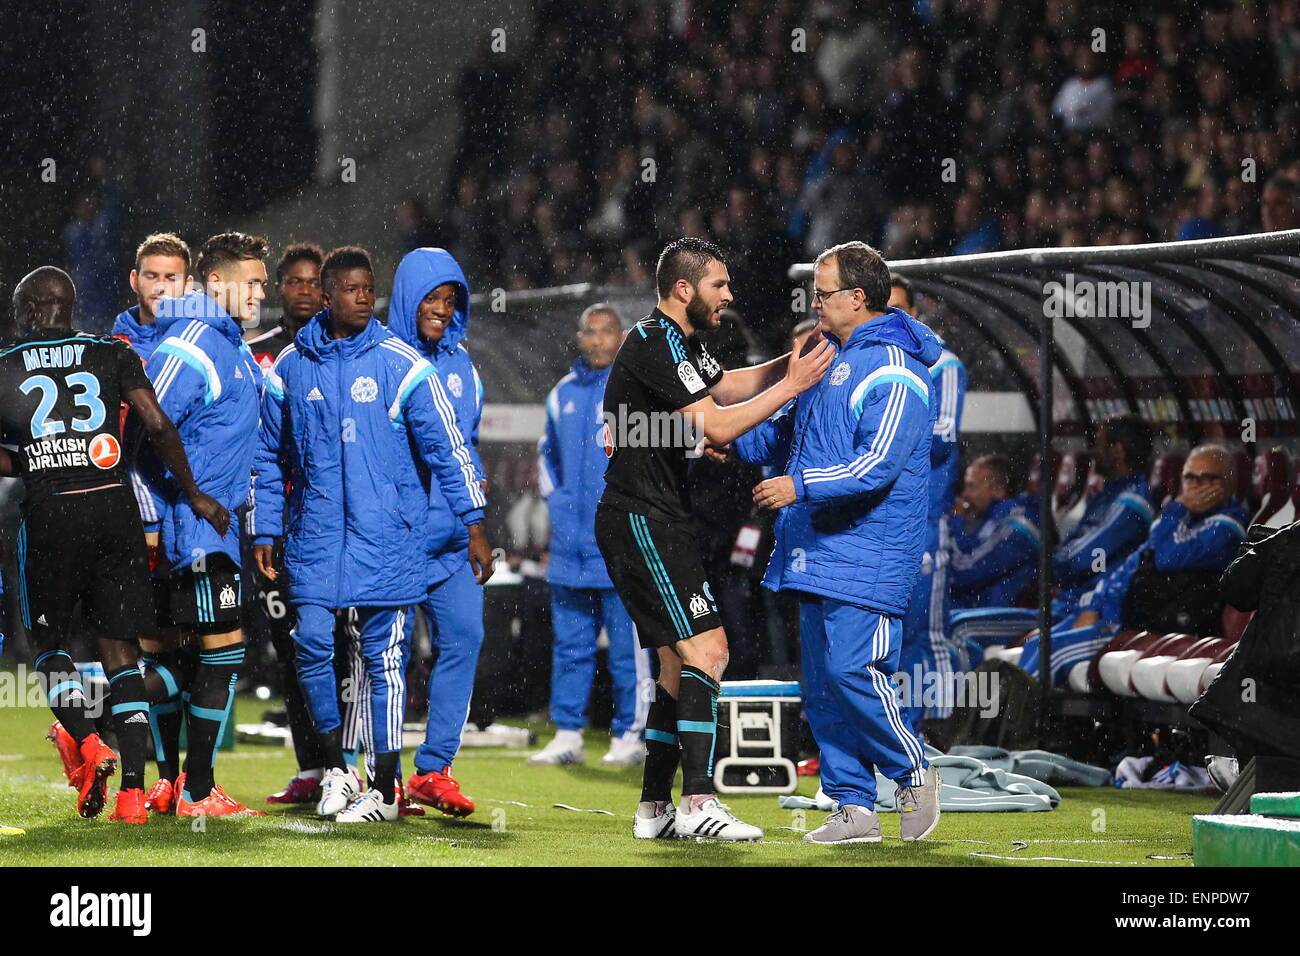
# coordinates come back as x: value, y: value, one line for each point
x: 81, y: 541
x: 666, y: 394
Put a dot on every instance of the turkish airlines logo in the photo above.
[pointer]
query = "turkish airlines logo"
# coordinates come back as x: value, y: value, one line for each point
x: 105, y: 452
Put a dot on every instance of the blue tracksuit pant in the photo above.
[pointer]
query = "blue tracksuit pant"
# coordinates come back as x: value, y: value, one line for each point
x: 926, y: 658
x: 850, y: 655
x: 1069, y: 647
x: 384, y: 639
x: 577, y: 615
x: 453, y: 610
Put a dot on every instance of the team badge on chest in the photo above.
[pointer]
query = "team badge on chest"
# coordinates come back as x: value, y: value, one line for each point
x: 365, y: 389
x: 455, y: 385
x: 841, y: 373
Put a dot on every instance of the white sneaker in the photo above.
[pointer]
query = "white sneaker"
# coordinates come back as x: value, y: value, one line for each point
x: 625, y: 751
x: 713, y: 821
x: 369, y: 808
x: 648, y: 824
x: 338, y: 788
x: 565, y: 748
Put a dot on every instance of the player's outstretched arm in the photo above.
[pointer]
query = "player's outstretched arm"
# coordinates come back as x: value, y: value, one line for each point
x: 167, y: 442
x: 742, y: 384
x: 722, y: 425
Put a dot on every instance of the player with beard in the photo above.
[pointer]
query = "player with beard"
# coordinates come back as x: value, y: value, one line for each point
x: 664, y: 375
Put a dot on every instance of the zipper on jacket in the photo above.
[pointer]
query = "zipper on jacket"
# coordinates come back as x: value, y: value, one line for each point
x: 343, y: 477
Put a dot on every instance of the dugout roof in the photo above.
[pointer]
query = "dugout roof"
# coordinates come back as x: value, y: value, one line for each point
x: 1194, y: 336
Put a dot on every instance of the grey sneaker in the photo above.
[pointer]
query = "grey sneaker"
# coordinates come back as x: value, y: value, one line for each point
x: 848, y: 824
x: 1223, y: 771
x: 919, y: 807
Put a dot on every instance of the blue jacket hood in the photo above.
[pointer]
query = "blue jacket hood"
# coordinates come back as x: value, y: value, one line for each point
x: 314, y: 338
x: 201, y: 306
x: 419, y: 273
x: 896, y: 327
x: 128, y: 323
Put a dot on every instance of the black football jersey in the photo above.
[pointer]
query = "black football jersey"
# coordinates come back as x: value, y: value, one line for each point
x: 61, y: 395
x: 657, y: 371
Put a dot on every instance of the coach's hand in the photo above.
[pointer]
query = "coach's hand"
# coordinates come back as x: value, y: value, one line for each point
x: 775, y: 492
x: 480, y: 554
x: 805, y: 371
x: 211, y: 511
x: 262, y: 561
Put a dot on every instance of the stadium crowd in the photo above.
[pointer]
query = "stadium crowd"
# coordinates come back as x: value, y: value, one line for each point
x: 927, y: 129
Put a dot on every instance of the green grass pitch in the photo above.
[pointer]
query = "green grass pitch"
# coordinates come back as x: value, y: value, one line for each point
x: 517, y: 823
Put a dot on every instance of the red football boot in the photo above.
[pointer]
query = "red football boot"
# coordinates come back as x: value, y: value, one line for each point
x: 812, y: 767
x: 215, y: 804
x: 406, y: 807
x: 130, y: 807
x: 299, y: 790
x: 161, y: 797
x: 98, y: 763
x: 440, y: 790
x: 68, y: 750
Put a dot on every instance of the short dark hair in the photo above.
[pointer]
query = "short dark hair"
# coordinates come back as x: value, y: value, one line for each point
x: 1134, y: 435
x: 341, y: 260
x: 902, y: 282
x: 1283, y: 184
x: 999, y: 465
x: 601, y: 308
x: 686, y: 258
x: 298, y: 252
x: 861, y: 267
x: 162, y: 244
x: 227, y: 248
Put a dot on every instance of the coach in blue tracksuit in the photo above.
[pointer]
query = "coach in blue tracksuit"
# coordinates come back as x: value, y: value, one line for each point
x: 571, y: 470
x: 925, y: 648
x: 1196, y: 536
x: 345, y: 405
x: 850, y: 538
x: 429, y: 311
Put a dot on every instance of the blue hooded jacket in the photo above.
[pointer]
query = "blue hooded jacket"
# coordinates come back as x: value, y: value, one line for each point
x: 143, y: 338
x: 858, y: 447
x: 342, y: 423
x: 208, y: 383
x: 949, y: 376
x: 146, y: 470
x: 419, y: 273
x: 1114, y: 525
x: 571, y: 473
x: 992, y: 564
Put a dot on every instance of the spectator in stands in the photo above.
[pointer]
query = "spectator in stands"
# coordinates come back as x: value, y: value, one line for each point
x: 1171, y: 582
x: 1086, y: 100
x: 1279, y: 206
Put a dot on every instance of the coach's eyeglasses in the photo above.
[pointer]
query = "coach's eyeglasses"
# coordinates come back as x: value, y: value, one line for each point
x: 819, y: 296
x: 1192, y: 478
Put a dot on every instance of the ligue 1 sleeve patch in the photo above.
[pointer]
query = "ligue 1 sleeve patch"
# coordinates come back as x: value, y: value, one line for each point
x: 690, y: 378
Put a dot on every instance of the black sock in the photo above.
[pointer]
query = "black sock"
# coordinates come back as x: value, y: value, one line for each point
x: 130, y: 712
x: 697, y: 729
x: 662, y: 750
x: 211, y: 698
x: 167, y: 675
x: 385, y: 779
x: 64, y: 692
x: 331, y: 749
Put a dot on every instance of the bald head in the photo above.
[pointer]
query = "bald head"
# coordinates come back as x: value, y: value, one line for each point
x: 44, y: 298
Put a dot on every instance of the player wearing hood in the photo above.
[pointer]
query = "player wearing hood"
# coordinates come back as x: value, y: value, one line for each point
x: 429, y: 310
